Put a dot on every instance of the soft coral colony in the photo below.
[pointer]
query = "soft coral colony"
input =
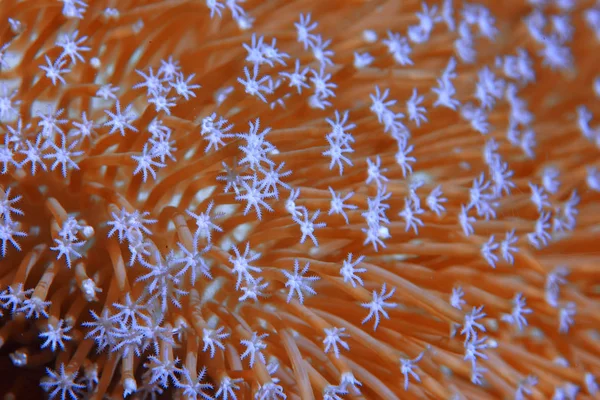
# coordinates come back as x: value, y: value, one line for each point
x: 300, y: 199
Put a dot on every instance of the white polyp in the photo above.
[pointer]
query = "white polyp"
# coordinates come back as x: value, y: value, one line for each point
x: 369, y: 36
x: 95, y: 62
x: 89, y: 289
x: 129, y: 387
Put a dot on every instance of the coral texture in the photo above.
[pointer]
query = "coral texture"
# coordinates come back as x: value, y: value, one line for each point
x: 301, y: 199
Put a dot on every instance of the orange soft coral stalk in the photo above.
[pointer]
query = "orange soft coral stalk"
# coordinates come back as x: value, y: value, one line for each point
x: 299, y: 199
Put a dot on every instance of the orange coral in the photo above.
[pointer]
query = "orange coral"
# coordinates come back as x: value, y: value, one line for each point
x: 343, y: 245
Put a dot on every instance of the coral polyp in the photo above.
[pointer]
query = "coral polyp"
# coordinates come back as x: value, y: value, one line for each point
x: 299, y: 199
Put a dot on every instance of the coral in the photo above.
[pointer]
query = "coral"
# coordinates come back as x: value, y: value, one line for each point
x: 299, y: 199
